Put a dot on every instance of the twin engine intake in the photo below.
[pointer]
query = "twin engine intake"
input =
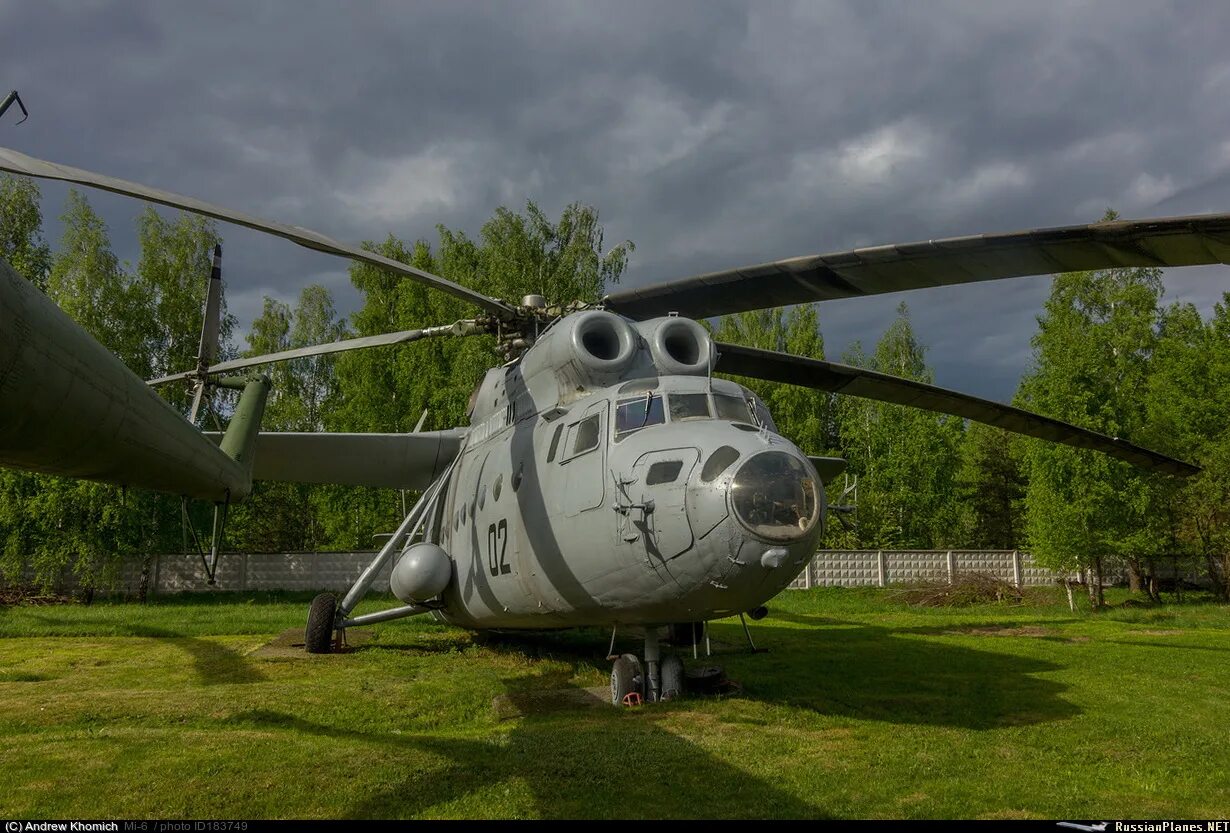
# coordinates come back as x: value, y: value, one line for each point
x: 599, y: 348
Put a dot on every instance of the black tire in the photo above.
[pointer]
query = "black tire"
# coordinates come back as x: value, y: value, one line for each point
x: 671, y: 672
x: 318, y: 636
x: 705, y: 679
x: 626, y: 678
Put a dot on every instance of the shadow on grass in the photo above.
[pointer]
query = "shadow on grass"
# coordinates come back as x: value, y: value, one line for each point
x: 837, y: 668
x: 604, y: 767
x: 214, y: 664
x: 897, y: 676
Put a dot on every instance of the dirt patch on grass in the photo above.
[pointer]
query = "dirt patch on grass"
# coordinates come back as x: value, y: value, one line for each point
x: 1028, y: 630
x: 12, y: 596
x: 1162, y: 633
x: 289, y: 645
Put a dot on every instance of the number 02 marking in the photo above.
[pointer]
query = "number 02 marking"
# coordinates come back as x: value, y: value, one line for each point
x: 497, y: 548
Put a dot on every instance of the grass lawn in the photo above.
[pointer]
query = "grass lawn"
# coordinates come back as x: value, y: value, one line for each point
x: 864, y: 707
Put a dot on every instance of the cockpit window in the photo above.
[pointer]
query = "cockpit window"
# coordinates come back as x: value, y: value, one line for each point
x: 733, y: 408
x: 585, y: 435
x: 685, y: 406
x: 634, y: 414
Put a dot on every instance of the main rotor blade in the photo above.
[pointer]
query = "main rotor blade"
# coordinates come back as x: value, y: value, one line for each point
x: 384, y: 339
x: 1174, y: 241
x: 869, y: 384
x: 19, y: 163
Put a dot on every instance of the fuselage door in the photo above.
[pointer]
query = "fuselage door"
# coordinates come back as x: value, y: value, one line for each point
x: 662, y: 477
x: 584, y: 460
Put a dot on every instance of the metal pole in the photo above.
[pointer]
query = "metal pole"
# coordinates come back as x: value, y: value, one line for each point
x: 386, y: 615
x: 952, y: 567
x: 880, y: 567
x: 1016, y: 568
x: 407, y: 528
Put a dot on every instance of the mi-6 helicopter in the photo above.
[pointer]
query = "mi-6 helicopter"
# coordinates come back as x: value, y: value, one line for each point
x: 605, y: 477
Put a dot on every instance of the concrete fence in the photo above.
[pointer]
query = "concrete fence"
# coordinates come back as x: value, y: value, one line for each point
x: 338, y: 570
x: 880, y: 568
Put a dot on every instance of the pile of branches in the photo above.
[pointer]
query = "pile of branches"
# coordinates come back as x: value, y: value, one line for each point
x: 11, y: 596
x: 965, y: 589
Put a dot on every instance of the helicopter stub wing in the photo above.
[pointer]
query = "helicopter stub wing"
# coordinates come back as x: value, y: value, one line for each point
x: 395, y: 461
x: 1171, y: 241
x: 870, y: 384
x: 16, y: 162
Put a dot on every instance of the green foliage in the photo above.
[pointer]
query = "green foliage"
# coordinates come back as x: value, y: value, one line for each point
x: 906, y: 459
x: 21, y: 229
x: 1096, y: 337
x: 990, y: 487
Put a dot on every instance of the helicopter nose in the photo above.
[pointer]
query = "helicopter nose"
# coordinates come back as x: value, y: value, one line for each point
x: 776, y: 497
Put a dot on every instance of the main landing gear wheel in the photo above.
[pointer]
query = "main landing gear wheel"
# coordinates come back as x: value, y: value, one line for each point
x: 672, y: 677
x: 318, y: 636
x: 627, y: 681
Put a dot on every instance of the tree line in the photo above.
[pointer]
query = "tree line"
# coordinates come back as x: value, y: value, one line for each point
x: 1107, y: 355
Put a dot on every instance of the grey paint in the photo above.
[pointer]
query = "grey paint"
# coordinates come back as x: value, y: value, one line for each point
x: 1171, y: 241
x: 72, y: 408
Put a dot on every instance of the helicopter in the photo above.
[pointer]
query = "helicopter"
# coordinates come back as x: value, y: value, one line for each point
x: 605, y: 478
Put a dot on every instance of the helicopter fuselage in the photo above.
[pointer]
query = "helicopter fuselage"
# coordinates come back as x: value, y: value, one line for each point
x: 607, y: 478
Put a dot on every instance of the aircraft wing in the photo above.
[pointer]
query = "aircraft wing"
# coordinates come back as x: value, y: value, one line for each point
x: 396, y: 461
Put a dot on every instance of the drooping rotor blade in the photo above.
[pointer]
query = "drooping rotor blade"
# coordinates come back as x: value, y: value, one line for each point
x: 869, y: 384
x: 1174, y: 241
x: 461, y: 328
x: 211, y: 322
x: 19, y: 163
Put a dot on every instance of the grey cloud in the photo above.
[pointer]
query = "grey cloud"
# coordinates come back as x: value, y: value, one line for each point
x: 710, y: 133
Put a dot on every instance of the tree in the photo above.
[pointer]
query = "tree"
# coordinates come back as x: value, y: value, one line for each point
x: 906, y: 459
x: 1188, y: 415
x: 1092, y: 350
x: 21, y: 229
x: 286, y: 516
x: 991, y: 487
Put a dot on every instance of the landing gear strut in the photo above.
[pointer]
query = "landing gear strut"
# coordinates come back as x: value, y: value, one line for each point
x: 659, y: 678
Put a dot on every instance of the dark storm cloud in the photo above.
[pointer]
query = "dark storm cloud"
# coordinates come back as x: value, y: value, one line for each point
x: 711, y: 134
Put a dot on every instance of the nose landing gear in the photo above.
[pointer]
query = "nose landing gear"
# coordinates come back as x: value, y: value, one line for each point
x: 658, y: 679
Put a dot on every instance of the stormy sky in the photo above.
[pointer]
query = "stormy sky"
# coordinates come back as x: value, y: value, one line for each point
x: 712, y: 134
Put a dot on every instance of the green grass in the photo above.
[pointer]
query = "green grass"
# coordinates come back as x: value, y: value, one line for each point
x: 863, y: 708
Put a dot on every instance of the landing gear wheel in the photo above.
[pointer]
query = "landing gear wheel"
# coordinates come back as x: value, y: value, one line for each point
x: 671, y: 672
x: 627, y: 681
x: 318, y: 636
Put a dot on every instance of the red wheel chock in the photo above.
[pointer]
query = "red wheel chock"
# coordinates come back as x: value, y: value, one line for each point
x: 633, y: 698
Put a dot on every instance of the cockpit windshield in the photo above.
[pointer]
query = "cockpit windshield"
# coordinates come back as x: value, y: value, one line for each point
x: 733, y: 408
x: 685, y: 406
x: 634, y: 413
